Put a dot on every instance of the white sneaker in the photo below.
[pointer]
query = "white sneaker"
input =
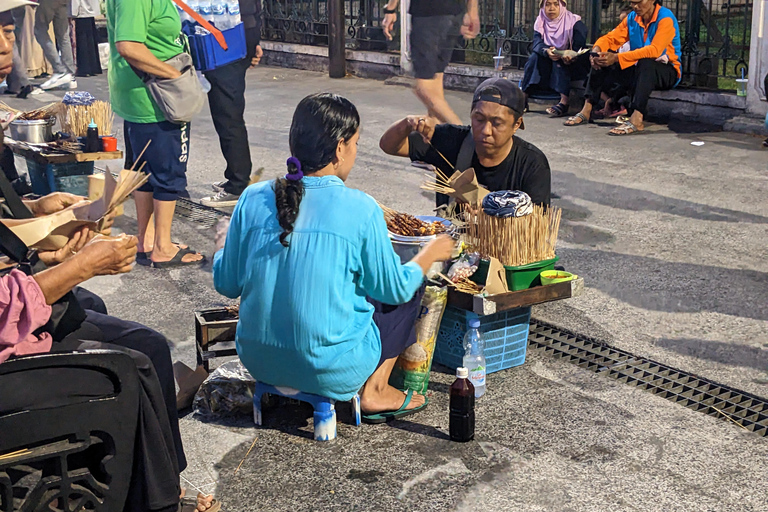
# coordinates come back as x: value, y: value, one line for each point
x: 221, y: 198
x: 73, y: 84
x: 57, y: 80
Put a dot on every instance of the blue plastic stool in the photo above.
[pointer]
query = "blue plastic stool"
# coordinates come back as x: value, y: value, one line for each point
x: 325, y: 410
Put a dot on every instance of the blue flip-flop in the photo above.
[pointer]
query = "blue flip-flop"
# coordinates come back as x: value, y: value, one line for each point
x: 383, y: 417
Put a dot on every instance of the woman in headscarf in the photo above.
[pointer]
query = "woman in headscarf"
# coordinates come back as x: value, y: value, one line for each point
x: 556, y: 29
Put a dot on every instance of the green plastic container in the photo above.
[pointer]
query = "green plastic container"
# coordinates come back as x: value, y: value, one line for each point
x: 526, y: 276
x: 518, y: 278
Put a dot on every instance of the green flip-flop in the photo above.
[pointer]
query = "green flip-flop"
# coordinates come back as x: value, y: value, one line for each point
x: 402, y: 412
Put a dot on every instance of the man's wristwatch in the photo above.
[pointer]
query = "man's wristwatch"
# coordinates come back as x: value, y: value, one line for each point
x: 389, y: 11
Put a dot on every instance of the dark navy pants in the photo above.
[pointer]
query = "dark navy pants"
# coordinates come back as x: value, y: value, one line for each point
x: 166, y: 156
x: 397, y: 324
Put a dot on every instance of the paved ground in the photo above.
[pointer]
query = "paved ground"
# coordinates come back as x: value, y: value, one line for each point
x: 670, y: 239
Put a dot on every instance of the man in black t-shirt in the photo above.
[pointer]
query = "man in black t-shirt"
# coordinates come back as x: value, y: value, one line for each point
x: 435, y: 29
x: 501, y: 160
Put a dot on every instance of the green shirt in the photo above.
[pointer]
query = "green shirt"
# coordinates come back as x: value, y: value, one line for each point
x: 155, y: 23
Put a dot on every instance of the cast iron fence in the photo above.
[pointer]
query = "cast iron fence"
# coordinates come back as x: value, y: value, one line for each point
x: 715, y: 34
x: 306, y: 22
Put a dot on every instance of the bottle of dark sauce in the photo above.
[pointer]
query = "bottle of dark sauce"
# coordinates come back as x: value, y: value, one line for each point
x: 92, y: 141
x: 462, y: 408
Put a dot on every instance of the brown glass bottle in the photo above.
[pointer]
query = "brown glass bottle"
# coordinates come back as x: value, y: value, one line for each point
x: 462, y: 408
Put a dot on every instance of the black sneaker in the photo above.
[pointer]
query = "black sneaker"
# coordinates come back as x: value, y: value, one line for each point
x: 221, y: 198
x: 218, y: 186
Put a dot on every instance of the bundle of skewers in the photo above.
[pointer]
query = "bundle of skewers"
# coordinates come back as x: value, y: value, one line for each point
x: 404, y: 224
x: 464, y: 284
x: 46, y: 112
x: 74, y: 119
x: 439, y: 182
x: 515, y: 241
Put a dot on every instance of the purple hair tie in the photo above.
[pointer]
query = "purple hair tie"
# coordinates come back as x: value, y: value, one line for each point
x: 294, y: 176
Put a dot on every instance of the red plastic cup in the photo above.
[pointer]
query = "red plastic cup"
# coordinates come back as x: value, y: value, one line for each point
x: 109, y: 143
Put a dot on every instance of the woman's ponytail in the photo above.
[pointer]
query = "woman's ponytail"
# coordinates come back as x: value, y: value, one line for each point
x: 288, y: 194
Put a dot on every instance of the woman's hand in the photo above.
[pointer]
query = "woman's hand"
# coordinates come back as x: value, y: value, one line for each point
x: 76, y: 242
x: 53, y: 203
x: 552, y: 55
x: 425, y: 125
x: 222, y: 227
x: 440, y: 248
x: 567, y: 60
x: 109, y: 256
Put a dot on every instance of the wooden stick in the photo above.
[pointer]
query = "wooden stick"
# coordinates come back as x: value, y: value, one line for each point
x: 140, y: 155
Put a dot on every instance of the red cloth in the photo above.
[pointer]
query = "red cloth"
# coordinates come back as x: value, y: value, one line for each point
x: 23, y: 310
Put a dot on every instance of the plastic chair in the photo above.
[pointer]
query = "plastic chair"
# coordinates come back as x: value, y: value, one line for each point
x: 325, y: 408
x: 68, y: 424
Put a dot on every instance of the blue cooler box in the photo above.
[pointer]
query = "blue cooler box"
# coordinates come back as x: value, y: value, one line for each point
x: 207, y: 54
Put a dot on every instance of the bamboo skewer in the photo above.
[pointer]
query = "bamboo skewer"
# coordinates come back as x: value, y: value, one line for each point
x: 515, y: 241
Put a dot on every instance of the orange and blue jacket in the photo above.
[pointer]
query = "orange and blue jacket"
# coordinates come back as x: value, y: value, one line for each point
x: 660, y: 37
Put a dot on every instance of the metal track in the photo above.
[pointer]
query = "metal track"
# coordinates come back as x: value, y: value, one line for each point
x: 744, y: 409
x: 198, y: 213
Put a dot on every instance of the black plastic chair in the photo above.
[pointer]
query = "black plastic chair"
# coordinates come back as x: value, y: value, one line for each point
x: 67, y: 431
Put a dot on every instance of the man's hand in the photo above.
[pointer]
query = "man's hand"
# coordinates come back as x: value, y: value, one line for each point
x: 388, y: 25
x: 257, y: 56
x: 552, y: 55
x: 425, y: 125
x: 53, y: 203
x: 109, y: 256
x: 607, y: 59
x: 593, y: 60
x: 77, y: 242
x: 471, y: 26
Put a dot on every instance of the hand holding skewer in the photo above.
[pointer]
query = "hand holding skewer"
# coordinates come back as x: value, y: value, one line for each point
x: 425, y: 125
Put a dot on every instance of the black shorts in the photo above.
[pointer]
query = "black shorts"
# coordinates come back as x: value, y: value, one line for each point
x: 433, y: 39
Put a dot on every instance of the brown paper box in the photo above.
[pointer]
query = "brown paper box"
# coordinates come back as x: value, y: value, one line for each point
x: 189, y: 382
x: 496, y: 281
x: 466, y: 188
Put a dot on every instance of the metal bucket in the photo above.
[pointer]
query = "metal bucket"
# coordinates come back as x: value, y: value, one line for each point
x: 409, y: 246
x: 38, y: 131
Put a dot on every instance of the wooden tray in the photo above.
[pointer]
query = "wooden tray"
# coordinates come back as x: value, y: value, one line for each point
x: 510, y: 300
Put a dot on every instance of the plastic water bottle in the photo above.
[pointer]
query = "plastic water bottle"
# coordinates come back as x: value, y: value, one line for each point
x: 233, y: 9
x: 184, y: 16
x: 204, y: 9
x: 474, y: 356
x: 461, y: 412
x: 204, y: 83
x: 219, y: 12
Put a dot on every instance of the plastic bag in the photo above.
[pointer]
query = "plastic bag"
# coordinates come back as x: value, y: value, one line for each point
x: 412, y: 368
x: 464, y: 267
x: 227, y: 392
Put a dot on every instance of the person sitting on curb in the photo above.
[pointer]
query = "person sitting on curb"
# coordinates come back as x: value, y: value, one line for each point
x: 652, y: 64
x: 555, y: 29
x: 501, y: 159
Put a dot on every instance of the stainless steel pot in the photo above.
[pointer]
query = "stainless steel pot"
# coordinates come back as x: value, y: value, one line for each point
x: 35, y: 132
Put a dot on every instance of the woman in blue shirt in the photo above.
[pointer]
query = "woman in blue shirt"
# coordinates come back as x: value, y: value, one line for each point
x: 304, y: 253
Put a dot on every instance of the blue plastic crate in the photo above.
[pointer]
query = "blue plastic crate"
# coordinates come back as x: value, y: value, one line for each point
x: 70, y: 177
x: 207, y: 54
x: 505, y: 333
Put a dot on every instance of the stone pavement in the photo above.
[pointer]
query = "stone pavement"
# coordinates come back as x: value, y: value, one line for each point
x: 671, y: 241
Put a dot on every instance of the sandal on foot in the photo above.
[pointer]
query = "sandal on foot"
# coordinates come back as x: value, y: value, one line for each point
x: 581, y: 118
x: 558, y: 110
x: 383, y: 417
x: 190, y: 505
x: 625, y: 129
x: 177, y: 260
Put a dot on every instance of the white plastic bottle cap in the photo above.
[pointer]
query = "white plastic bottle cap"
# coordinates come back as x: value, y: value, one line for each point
x: 462, y: 372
